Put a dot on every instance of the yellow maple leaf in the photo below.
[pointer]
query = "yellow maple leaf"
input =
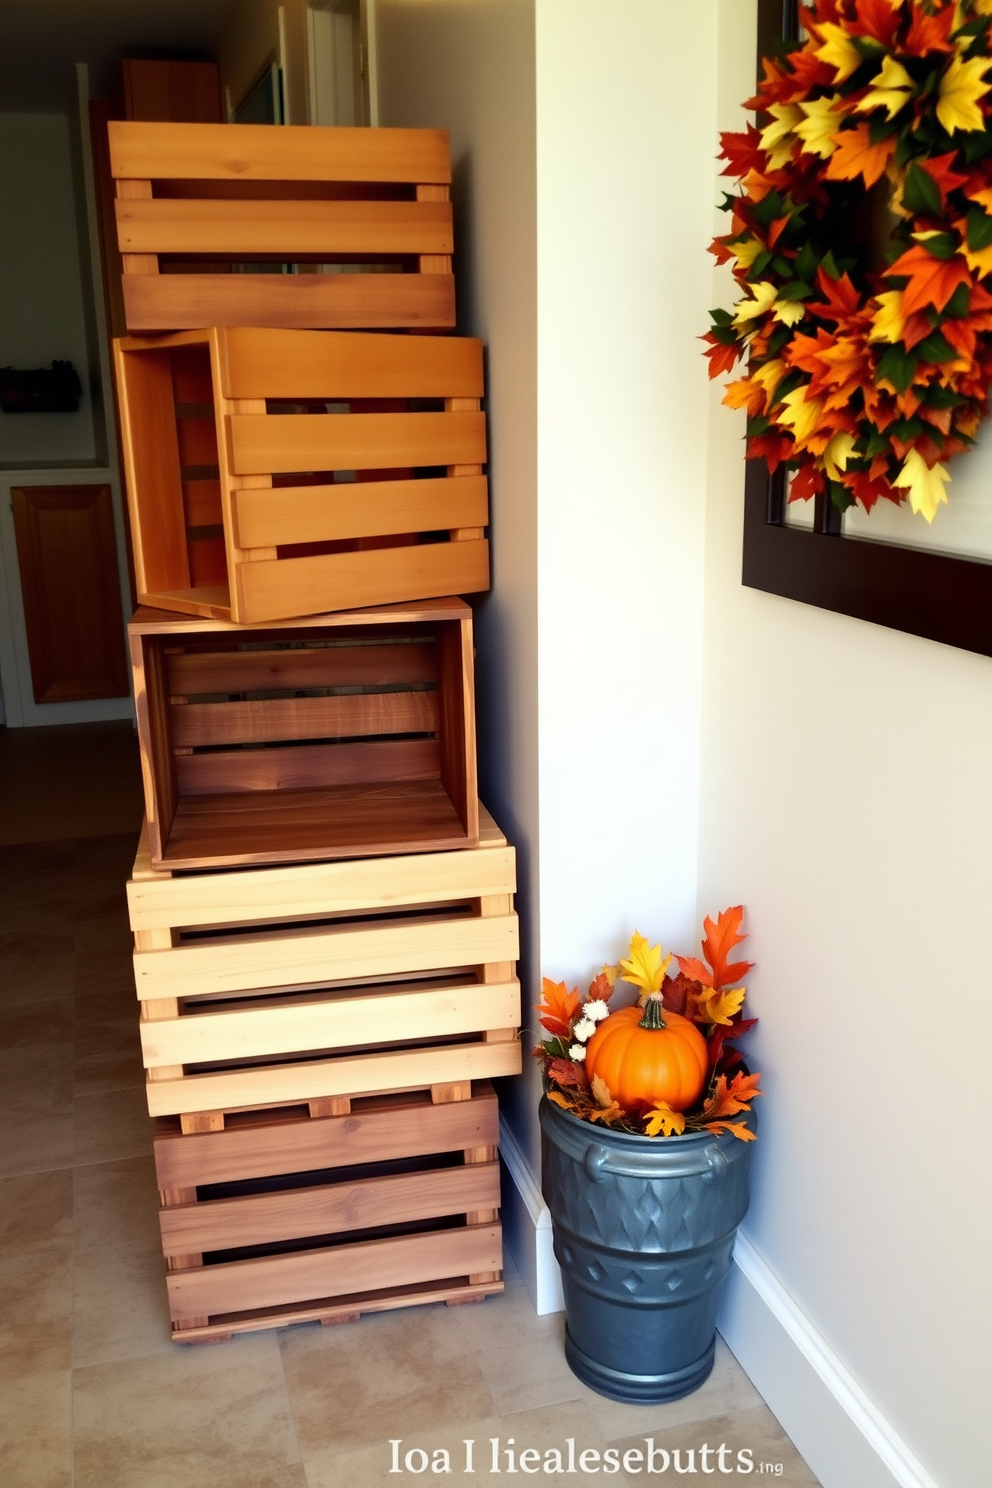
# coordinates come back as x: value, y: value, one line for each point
x: 891, y: 89
x: 778, y: 137
x: 601, y: 1092
x: 763, y: 294
x: 560, y: 1100
x: 984, y: 197
x: 838, y: 51
x: 664, y: 1119
x: 788, y: 311
x: 888, y: 321
x: 961, y: 87
x: 612, y: 1112
x: 801, y: 414
x: 769, y: 376
x: 824, y: 117
x: 746, y: 252
x: 925, y: 485
x: 644, y: 965
x: 837, y: 454
x: 720, y: 1007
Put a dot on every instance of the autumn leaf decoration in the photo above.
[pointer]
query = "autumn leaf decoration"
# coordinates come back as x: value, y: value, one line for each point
x: 709, y: 991
x: 868, y: 364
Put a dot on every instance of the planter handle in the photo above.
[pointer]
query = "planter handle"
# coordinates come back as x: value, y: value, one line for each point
x: 594, y: 1162
x: 718, y: 1164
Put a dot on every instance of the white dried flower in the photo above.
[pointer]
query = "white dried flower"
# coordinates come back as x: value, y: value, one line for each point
x: 578, y: 1053
x: 596, y: 1010
x: 584, y: 1030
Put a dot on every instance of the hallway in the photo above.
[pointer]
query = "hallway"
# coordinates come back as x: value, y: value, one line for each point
x: 93, y: 1393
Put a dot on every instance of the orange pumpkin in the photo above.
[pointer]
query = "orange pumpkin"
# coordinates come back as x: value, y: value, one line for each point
x: 649, y: 1055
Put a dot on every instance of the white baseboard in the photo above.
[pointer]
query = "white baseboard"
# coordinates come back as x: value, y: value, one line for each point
x: 839, y: 1431
x: 526, y: 1223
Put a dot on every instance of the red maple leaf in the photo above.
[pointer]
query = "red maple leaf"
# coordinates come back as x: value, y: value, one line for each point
x: 868, y: 489
x: 807, y: 481
x: 877, y: 18
x: 938, y: 168
x: 841, y: 299
x: 721, y: 357
x: 929, y: 33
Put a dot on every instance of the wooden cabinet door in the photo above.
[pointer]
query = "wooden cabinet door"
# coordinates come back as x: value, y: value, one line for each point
x: 72, y: 603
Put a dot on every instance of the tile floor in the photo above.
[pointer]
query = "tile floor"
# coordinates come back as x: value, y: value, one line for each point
x: 93, y: 1394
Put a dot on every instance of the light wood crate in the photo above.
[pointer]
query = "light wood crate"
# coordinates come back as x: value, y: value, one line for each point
x: 298, y: 197
x: 250, y: 501
x: 322, y: 983
x: 399, y: 1201
x: 345, y: 735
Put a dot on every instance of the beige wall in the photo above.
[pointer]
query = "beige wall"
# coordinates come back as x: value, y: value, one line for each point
x: 847, y: 799
x: 252, y: 36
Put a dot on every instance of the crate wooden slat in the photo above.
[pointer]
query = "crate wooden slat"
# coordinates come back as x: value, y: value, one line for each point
x: 399, y: 1201
x: 326, y: 981
x: 305, y: 197
x: 243, y: 510
x: 377, y: 757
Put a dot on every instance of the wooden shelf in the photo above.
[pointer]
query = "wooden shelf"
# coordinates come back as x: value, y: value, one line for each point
x: 351, y: 735
x: 196, y: 201
x: 273, y: 473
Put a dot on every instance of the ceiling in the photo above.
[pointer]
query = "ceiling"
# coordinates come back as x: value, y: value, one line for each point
x: 40, y: 40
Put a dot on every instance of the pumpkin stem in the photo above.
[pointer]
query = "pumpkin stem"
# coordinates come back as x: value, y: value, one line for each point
x: 652, y: 1012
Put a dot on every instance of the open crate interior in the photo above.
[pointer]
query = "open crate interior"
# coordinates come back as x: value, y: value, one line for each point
x: 278, y: 225
x: 351, y: 738
x: 273, y: 474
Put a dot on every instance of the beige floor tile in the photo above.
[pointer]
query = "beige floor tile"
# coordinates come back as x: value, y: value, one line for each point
x: 116, y: 1204
x: 386, y: 1375
x: 747, y: 1436
x: 36, y: 1309
x: 36, y: 1430
x: 35, y: 1209
x: 196, y: 1417
x: 545, y: 1431
x: 37, y: 1079
x: 35, y: 1141
x: 120, y: 1307
x: 517, y: 1378
x: 112, y: 1125
x: 727, y: 1389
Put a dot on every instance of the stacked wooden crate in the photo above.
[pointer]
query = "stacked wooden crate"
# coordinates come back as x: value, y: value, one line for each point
x: 325, y: 940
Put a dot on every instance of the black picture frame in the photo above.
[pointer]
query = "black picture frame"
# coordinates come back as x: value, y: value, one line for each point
x: 916, y: 590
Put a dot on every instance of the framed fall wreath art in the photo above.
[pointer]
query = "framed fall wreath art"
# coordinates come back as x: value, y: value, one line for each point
x: 861, y: 243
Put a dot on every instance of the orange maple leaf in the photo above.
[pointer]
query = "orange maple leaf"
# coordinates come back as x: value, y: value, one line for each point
x: 730, y: 1100
x: 719, y: 940
x: 855, y: 155
x: 932, y: 281
x: 736, y: 1127
x: 558, y: 1008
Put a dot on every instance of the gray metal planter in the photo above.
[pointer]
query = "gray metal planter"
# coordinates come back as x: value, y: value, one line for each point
x: 644, y: 1231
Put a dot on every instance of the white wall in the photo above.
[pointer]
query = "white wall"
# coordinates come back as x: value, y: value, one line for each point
x: 598, y: 501
x: 843, y: 793
x: 847, y: 799
x: 470, y: 69
x: 43, y: 314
